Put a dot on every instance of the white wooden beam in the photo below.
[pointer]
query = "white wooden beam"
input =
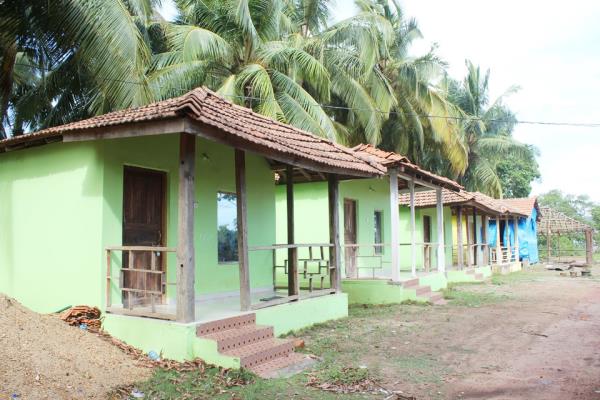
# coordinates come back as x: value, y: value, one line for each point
x: 413, y: 227
x: 441, y: 254
x: 395, y: 221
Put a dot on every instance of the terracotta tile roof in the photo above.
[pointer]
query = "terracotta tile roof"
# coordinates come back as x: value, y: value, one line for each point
x: 428, y: 199
x: 523, y: 206
x: 389, y: 159
x: 241, y: 125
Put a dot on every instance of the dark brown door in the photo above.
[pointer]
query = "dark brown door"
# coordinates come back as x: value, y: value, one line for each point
x: 427, y: 250
x: 143, y: 225
x: 350, y: 237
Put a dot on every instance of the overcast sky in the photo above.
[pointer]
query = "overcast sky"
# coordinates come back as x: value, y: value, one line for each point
x: 551, y: 52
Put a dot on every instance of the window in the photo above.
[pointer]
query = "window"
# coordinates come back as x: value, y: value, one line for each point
x: 227, y: 227
x: 378, y: 231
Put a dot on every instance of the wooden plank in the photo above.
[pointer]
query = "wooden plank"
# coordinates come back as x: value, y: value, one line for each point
x: 275, y: 302
x: 441, y: 254
x: 459, y: 238
x: 413, y: 228
x: 142, y: 248
x: 317, y: 293
x: 242, y: 228
x: 140, y: 313
x: 293, y: 288
x: 333, y: 194
x: 394, y: 224
x: 185, y: 229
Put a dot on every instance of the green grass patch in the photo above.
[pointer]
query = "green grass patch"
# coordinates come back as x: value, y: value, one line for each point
x: 514, y: 277
x: 471, y: 299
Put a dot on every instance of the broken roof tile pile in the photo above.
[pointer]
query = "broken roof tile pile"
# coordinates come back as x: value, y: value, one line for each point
x: 389, y: 159
x: 244, y: 126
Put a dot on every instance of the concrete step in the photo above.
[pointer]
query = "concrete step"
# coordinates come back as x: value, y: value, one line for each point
x: 423, y: 290
x: 233, y: 338
x: 410, y: 283
x: 261, y: 352
x: 479, y: 277
x: 224, y: 324
x: 435, y: 296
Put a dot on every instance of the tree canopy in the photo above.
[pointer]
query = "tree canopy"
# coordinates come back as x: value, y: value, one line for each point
x: 357, y: 80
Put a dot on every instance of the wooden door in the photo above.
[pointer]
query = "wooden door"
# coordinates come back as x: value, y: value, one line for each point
x: 350, y: 237
x: 143, y: 225
x: 427, y: 249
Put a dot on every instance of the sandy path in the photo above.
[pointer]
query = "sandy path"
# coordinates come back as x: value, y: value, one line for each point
x: 560, y: 361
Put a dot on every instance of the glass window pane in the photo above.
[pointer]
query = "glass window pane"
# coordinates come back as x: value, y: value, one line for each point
x: 227, y: 227
x: 378, y: 231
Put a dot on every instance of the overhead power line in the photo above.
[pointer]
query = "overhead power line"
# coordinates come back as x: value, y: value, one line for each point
x: 333, y: 107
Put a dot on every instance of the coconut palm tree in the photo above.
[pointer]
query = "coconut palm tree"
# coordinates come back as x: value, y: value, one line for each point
x: 487, y: 131
x: 251, y: 52
x: 85, y: 57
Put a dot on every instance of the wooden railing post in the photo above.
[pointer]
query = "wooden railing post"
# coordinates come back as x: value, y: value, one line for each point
x: 335, y: 275
x: 242, y: 229
x: 292, y: 251
x: 459, y: 237
x: 484, y: 233
x: 185, y: 248
x: 589, y: 247
x: 475, y: 249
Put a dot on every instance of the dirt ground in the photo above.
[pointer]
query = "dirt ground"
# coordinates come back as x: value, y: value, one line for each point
x: 41, y: 357
x: 528, y: 335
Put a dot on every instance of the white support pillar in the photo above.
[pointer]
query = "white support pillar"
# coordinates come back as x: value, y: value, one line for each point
x: 459, y: 238
x: 413, y: 227
x: 441, y: 254
x: 395, y: 221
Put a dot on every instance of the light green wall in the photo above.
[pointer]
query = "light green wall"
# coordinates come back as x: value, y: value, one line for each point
x: 311, y: 220
x: 62, y: 205
x: 311, y: 216
x: 214, y: 172
x: 51, y: 226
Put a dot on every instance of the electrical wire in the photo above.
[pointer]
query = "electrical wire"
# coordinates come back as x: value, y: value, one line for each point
x: 333, y: 107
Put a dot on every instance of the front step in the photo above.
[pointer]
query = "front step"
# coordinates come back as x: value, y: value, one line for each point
x: 255, y: 345
x: 410, y: 283
x: 423, y: 290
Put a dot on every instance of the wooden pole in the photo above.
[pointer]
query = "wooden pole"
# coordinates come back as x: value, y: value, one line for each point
x: 517, y: 246
x: 395, y: 221
x: 335, y: 274
x: 558, y: 245
x: 589, y: 247
x: 242, y: 229
x: 469, y: 242
x: 292, y: 251
x: 475, y: 250
x: 459, y: 238
x: 507, y: 240
x: 548, y: 243
x: 413, y: 228
x: 185, y: 230
x: 441, y: 255
x: 484, y: 233
x: 498, y: 244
